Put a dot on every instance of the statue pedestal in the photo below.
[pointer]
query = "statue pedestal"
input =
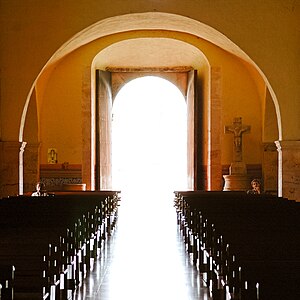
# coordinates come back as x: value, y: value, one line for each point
x: 238, y: 179
x: 238, y: 168
x: 236, y: 183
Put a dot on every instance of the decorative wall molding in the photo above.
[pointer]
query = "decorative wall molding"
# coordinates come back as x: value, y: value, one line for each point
x: 56, y: 175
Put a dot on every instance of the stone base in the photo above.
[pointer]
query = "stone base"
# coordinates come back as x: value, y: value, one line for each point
x: 238, y: 168
x: 236, y: 183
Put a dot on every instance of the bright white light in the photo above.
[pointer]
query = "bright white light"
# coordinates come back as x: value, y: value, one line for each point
x: 149, y: 157
x: 149, y: 136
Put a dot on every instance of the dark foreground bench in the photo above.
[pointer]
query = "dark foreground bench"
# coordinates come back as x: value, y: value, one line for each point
x: 52, y: 240
x: 247, y: 246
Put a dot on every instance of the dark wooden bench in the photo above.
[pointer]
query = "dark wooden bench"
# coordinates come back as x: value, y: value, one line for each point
x: 244, y: 243
x: 51, y: 240
x: 7, y: 274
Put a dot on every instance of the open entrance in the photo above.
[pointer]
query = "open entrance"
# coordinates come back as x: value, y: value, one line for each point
x: 149, y: 137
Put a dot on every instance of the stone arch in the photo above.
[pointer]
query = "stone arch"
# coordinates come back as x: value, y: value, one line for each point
x: 148, y: 21
x: 156, y: 21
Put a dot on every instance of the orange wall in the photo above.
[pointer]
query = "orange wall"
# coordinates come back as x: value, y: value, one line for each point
x: 60, y: 98
x: 31, y: 33
x: 60, y: 111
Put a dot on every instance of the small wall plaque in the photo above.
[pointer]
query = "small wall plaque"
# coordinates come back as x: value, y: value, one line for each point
x: 52, y: 156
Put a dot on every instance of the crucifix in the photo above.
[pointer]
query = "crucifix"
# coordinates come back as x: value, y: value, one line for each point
x: 238, y: 130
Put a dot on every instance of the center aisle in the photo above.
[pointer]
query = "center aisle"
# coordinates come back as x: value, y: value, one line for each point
x: 145, y: 258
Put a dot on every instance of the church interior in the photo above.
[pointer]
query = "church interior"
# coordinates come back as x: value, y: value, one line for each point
x: 235, y: 65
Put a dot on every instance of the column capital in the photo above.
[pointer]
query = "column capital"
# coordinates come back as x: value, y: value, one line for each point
x: 269, y: 146
x: 287, y: 145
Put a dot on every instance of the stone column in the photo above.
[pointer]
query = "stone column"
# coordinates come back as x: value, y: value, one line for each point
x: 88, y: 130
x: 289, y: 169
x: 31, y: 168
x: 215, y: 168
x: 9, y: 168
x: 270, y: 168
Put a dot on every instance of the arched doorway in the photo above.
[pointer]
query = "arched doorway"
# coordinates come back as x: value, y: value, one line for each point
x: 89, y: 167
x: 149, y: 136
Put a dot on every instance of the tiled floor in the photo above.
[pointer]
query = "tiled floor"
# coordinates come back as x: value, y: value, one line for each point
x: 145, y: 258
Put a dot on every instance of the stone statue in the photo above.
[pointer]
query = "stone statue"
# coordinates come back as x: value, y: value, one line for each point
x: 237, y: 180
x: 237, y: 129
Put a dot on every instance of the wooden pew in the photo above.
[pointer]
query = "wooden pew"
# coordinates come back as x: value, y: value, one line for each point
x: 230, y: 219
x: 51, y: 240
x: 7, y: 273
x: 237, y: 240
x: 78, y: 240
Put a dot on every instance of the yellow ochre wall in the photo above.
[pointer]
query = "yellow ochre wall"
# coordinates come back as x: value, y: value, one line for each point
x: 60, y: 96
x: 32, y: 31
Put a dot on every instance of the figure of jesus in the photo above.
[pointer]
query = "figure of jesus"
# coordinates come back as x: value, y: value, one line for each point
x: 237, y: 129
